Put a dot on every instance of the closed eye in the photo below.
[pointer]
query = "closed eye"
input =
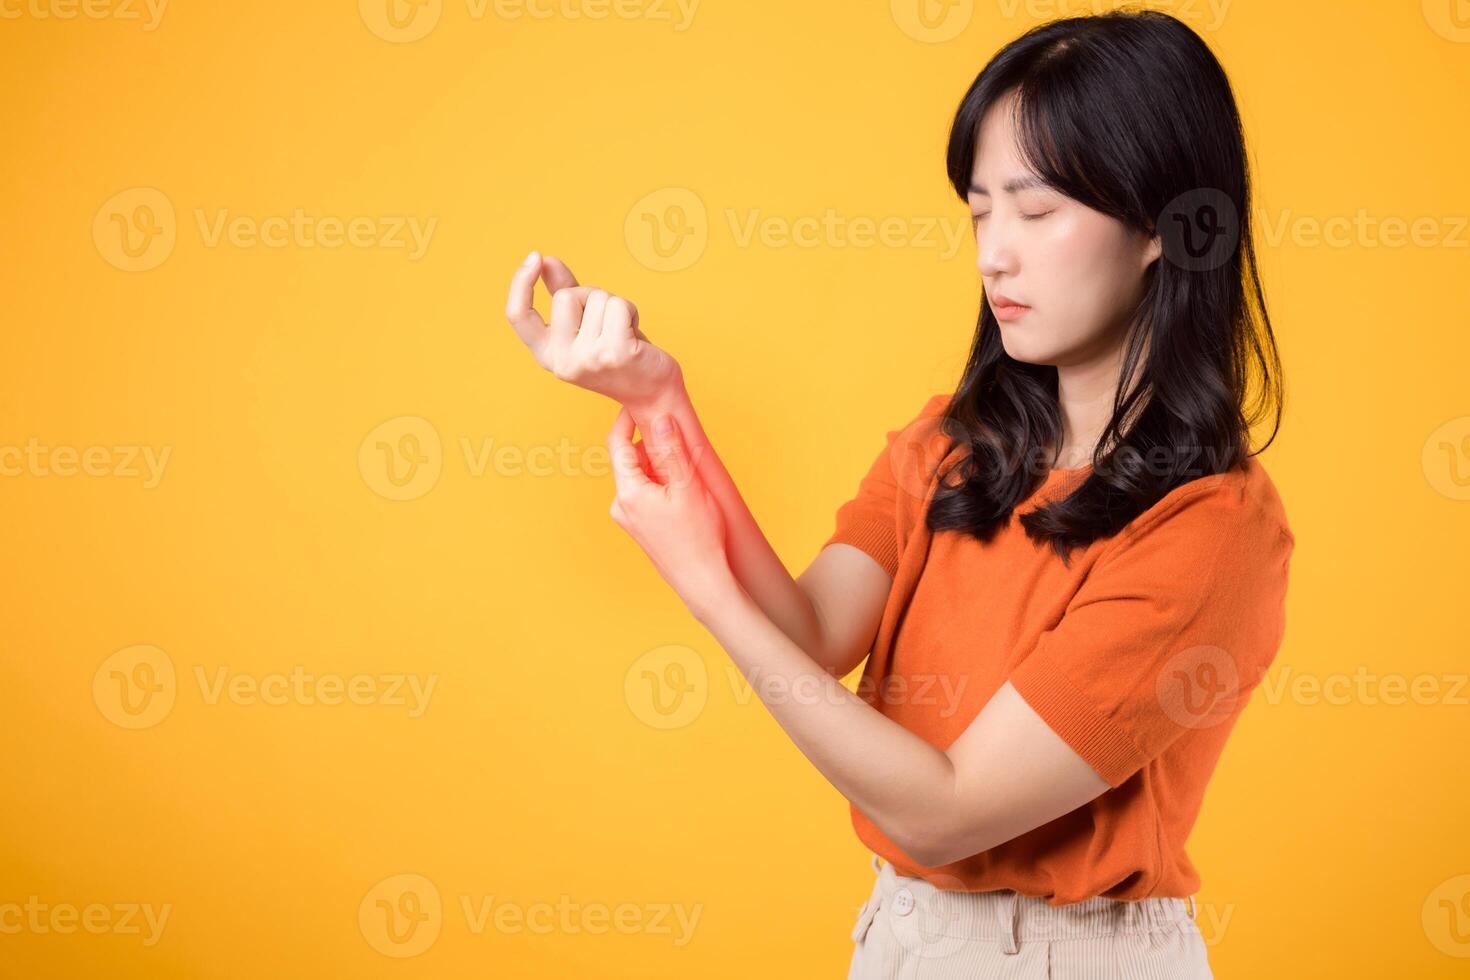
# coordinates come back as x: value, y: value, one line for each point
x: 975, y: 218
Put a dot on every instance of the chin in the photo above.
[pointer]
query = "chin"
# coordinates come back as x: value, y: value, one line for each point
x: 1028, y: 348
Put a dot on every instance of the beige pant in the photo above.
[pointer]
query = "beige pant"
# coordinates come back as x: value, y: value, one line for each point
x: 908, y: 929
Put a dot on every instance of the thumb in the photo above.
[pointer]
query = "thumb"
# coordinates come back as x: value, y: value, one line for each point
x: 667, y: 453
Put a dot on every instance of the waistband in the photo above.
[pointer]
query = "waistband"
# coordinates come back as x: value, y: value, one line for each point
x: 1011, y: 918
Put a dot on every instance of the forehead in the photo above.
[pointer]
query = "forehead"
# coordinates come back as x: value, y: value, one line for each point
x: 998, y: 158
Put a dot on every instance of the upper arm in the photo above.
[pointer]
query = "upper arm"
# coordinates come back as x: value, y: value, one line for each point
x: 848, y: 590
x: 1169, y: 632
x: 850, y: 579
x: 1013, y: 773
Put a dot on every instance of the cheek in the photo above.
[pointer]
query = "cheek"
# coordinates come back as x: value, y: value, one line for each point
x: 1087, y: 265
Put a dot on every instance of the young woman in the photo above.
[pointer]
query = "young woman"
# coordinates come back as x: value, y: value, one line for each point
x: 1067, y: 576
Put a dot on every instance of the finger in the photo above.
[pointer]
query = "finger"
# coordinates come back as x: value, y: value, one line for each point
x: 566, y: 313
x: 617, y: 323
x: 520, y: 308
x: 558, y: 276
x: 627, y: 472
x: 592, y: 315
x: 666, y: 452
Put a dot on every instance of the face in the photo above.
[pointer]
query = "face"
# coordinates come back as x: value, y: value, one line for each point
x: 1078, y: 272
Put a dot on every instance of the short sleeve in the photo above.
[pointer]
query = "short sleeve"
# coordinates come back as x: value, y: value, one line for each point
x: 891, y: 490
x: 1172, y: 628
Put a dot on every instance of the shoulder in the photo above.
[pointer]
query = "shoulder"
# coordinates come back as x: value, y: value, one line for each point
x: 936, y: 405
x: 1238, y: 511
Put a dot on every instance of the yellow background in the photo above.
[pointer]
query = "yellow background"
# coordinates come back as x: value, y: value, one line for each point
x: 1333, y: 838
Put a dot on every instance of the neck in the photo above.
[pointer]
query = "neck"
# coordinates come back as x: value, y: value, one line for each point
x: 1085, y: 395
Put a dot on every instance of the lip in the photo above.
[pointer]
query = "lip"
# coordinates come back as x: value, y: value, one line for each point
x: 1006, y: 308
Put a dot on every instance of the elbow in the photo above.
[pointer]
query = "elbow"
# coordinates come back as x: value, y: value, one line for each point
x: 928, y: 843
x: 928, y: 854
x: 938, y: 839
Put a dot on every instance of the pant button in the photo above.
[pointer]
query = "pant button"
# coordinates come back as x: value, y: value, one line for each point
x: 903, y: 902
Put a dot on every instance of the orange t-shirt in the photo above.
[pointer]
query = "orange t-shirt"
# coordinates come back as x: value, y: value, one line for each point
x: 1141, y: 655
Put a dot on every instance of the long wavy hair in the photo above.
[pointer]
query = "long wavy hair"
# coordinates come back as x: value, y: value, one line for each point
x: 1130, y: 114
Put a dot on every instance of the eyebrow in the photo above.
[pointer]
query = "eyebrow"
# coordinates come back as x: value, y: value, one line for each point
x: 1013, y: 185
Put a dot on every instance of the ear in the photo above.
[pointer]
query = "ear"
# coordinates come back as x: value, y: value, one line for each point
x: 1152, y: 251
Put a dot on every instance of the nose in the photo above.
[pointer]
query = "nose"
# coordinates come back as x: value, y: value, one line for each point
x: 995, y: 251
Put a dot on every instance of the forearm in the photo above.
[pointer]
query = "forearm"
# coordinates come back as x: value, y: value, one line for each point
x: 901, y: 782
x: 756, y: 566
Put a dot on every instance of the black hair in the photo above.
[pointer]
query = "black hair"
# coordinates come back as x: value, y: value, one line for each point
x: 1129, y: 113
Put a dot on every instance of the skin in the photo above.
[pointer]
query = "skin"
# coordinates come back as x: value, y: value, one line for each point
x: 1008, y: 772
x: 1080, y: 271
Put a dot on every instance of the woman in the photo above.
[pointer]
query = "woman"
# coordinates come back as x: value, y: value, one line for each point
x: 1068, y: 575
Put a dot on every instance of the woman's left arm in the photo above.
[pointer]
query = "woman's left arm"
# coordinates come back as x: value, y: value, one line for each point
x: 1007, y: 773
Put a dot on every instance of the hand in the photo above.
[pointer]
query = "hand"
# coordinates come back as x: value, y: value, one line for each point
x: 672, y: 516
x: 593, y: 341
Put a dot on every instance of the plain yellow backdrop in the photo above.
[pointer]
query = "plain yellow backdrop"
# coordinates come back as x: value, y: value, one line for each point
x: 282, y: 471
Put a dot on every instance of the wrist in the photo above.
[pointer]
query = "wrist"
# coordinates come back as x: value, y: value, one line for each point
x: 666, y: 398
x: 719, y: 591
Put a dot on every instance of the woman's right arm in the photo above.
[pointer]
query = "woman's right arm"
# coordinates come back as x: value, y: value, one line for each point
x: 833, y: 609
